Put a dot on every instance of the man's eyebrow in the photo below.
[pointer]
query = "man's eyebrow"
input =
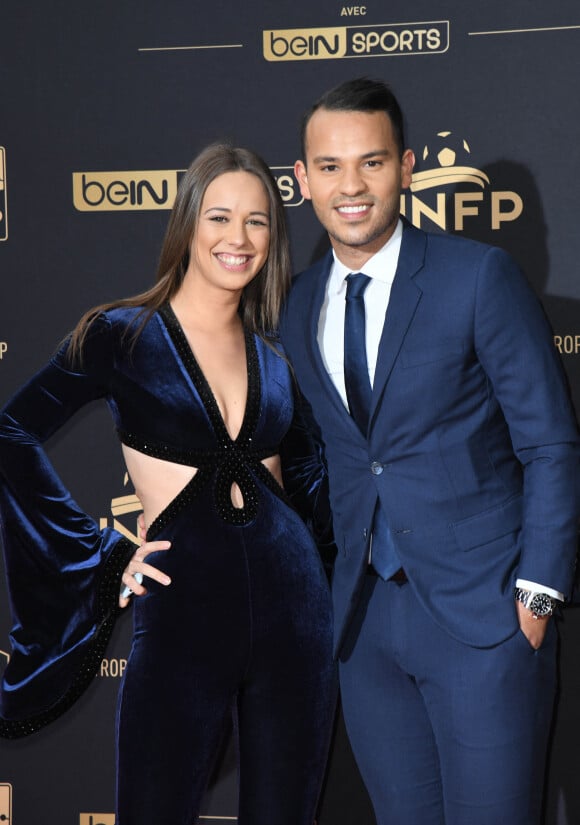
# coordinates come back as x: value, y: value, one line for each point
x: 366, y: 156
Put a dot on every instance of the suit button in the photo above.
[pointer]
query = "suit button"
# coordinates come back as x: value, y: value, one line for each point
x: 376, y: 468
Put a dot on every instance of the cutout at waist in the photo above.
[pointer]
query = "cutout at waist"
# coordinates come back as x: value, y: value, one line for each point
x: 158, y: 482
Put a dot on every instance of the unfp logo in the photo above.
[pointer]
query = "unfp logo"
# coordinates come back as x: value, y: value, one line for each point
x: 122, y: 506
x: 336, y: 42
x: 451, y: 166
x: 3, y: 203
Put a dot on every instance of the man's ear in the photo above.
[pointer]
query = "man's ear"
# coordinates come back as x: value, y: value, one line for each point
x: 302, y: 178
x: 407, y: 166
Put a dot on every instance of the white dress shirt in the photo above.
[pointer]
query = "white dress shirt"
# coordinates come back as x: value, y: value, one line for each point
x: 381, y: 270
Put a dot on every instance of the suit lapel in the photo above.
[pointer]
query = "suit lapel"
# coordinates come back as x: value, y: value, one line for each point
x: 403, y: 301
x: 320, y: 280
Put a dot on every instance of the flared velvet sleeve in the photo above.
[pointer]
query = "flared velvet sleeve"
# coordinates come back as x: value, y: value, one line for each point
x: 63, y: 572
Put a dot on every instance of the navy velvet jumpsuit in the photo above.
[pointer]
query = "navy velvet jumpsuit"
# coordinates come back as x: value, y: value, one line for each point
x: 245, y: 624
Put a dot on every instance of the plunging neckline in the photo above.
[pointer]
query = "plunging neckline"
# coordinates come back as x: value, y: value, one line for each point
x: 209, y: 401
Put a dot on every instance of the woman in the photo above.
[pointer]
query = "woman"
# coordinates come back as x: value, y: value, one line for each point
x: 234, y: 608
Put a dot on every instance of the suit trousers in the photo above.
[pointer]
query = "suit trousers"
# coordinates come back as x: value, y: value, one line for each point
x: 444, y: 733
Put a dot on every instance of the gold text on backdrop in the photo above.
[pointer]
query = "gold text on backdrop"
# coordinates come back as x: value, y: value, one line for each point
x: 121, y: 191
x: 3, y: 202
x: 373, y: 40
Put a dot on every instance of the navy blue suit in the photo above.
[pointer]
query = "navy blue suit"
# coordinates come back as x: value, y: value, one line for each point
x: 472, y: 449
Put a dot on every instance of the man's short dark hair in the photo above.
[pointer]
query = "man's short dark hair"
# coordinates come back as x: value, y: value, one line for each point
x: 359, y: 95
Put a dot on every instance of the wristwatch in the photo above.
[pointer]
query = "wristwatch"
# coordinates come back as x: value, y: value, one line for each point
x: 539, y: 603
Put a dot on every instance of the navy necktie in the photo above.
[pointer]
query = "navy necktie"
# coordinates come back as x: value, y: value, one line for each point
x: 356, y: 371
x: 384, y: 556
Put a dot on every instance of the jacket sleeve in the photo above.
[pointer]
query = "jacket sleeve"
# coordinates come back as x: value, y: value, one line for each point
x: 62, y: 571
x: 306, y: 477
x: 515, y: 345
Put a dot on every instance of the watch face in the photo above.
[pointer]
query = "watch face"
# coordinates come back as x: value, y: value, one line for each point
x: 541, y: 605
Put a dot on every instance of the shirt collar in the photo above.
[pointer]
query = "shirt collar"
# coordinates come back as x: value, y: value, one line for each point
x: 380, y: 267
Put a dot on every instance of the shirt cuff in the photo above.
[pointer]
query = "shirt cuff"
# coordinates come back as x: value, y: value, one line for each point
x: 540, y: 588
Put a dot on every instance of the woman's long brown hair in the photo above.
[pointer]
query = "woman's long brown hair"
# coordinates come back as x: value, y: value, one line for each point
x: 261, y: 299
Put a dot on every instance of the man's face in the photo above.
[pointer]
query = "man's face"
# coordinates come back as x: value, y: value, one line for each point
x: 353, y: 175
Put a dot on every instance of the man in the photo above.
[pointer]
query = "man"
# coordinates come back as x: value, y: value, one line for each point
x: 452, y: 472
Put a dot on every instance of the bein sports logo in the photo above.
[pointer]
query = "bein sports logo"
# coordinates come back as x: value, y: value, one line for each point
x: 449, y: 164
x: 369, y: 40
x: 122, y: 191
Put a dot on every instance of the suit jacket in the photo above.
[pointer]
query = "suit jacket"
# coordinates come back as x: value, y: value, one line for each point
x: 472, y: 445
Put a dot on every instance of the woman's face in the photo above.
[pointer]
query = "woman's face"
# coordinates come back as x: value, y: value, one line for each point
x: 232, y: 238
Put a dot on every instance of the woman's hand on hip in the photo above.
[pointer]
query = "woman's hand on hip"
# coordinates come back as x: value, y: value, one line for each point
x: 138, y: 568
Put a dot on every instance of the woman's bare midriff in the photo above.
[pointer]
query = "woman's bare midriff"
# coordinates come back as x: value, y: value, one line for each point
x: 158, y: 482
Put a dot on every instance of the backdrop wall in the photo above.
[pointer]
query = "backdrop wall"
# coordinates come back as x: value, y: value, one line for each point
x: 102, y: 105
